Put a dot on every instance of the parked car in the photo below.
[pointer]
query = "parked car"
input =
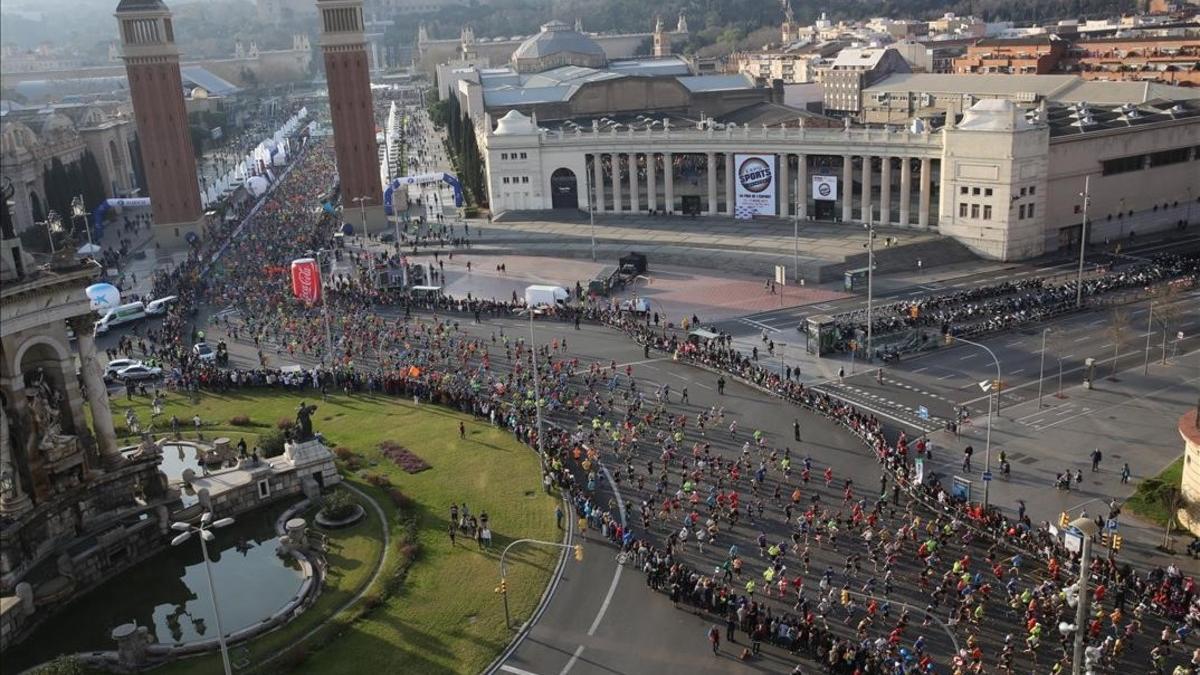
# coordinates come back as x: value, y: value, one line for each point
x: 117, y: 365
x: 204, y: 352
x: 139, y: 372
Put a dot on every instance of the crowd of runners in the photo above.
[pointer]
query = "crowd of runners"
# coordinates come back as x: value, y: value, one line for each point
x: 778, y: 550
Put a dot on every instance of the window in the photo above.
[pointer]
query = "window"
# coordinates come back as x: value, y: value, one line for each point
x: 1024, y: 191
x: 1169, y: 157
x: 964, y: 190
x: 962, y: 209
x: 504, y: 155
x: 523, y: 156
x: 975, y: 191
x: 264, y: 488
x: 1032, y: 189
x: 987, y: 192
x: 1111, y: 167
x: 1021, y: 212
x: 974, y: 210
x: 987, y: 211
x: 524, y: 179
x: 1029, y: 211
x: 506, y: 180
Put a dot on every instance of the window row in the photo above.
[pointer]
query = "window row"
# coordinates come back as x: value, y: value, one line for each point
x: 966, y: 210
x: 974, y: 191
x: 505, y: 156
x: 515, y: 180
x: 1119, y: 165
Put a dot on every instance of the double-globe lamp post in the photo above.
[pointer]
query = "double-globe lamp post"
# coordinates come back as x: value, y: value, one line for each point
x: 204, y: 529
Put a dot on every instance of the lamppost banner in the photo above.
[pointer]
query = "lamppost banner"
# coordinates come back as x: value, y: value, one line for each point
x: 755, y: 189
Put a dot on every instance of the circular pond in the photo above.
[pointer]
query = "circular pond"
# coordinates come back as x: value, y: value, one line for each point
x: 168, y: 593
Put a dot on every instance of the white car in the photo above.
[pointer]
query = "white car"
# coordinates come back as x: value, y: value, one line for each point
x: 117, y: 365
x: 139, y: 372
x: 204, y: 352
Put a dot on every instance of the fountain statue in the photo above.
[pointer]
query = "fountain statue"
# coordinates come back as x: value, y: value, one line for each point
x: 304, y: 430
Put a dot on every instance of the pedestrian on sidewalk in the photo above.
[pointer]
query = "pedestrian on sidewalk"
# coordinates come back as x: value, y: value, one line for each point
x: 1125, y: 473
x: 1096, y: 457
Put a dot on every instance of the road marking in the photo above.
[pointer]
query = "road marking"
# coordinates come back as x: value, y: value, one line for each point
x: 515, y: 670
x: 968, y: 356
x: 574, y: 657
x: 612, y: 588
x: 947, y: 376
x: 920, y: 370
x: 759, y: 324
x: 1085, y: 337
x: 1017, y: 371
x: 637, y: 363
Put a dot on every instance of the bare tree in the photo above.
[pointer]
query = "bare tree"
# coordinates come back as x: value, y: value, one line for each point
x: 1167, y: 311
x: 1117, y: 330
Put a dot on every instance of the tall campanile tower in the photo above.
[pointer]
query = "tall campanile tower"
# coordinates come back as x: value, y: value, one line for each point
x: 152, y: 66
x: 350, y: 104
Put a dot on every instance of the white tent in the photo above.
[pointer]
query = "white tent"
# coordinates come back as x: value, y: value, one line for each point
x: 88, y: 249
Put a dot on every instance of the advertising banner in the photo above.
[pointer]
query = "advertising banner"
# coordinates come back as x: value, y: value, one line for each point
x: 825, y: 188
x: 306, y: 280
x: 755, y: 190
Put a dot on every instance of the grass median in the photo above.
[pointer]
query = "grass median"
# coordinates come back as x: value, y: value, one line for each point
x: 444, y: 616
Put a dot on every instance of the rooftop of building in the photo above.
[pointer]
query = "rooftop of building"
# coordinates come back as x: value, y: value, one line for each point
x: 1028, y: 41
x: 1083, y: 118
x: 859, y: 57
x: 504, y: 87
x: 141, y: 6
x: 557, y: 37
x: 752, y: 116
x: 1066, y: 88
x: 199, y: 76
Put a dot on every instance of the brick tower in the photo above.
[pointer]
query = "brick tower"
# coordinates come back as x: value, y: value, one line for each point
x: 351, y: 107
x: 152, y: 66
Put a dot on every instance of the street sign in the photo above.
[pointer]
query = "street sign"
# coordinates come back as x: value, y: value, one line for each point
x: 919, y: 471
x: 922, y: 412
x: 781, y: 275
x: 1073, y: 540
x: 1111, y: 525
x: 961, y: 489
x: 987, y: 476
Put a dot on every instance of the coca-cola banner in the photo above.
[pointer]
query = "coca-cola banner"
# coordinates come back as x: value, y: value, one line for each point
x: 306, y: 280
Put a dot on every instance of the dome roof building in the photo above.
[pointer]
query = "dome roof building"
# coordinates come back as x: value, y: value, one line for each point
x: 557, y: 45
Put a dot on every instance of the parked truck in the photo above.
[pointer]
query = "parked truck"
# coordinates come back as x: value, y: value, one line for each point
x: 631, y: 266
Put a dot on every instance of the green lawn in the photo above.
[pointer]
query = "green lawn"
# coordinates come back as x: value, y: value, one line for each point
x: 445, y: 617
x: 1146, y: 501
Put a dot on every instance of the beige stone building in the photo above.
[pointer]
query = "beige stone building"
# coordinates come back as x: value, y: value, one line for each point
x: 1189, y: 429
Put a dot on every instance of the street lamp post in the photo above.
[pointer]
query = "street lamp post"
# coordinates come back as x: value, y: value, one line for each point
x: 1042, y: 367
x: 870, y: 279
x: 204, y: 529
x: 325, y: 307
x: 78, y: 210
x: 503, y: 589
x: 53, y: 224
x: 987, y: 451
x: 591, y: 213
x: 362, y: 210
x: 1149, y: 333
x: 1088, y: 529
x: 1087, y: 184
x: 796, y: 231
x: 537, y: 390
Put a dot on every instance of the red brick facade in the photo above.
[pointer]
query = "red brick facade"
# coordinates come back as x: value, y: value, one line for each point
x: 165, y: 141
x: 352, y: 111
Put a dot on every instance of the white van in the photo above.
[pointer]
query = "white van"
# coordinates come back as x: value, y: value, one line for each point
x: 159, y: 306
x: 123, y: 314
x: 538, y: 297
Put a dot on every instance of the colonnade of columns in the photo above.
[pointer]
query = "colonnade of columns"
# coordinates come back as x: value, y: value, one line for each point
x: 624, y: 190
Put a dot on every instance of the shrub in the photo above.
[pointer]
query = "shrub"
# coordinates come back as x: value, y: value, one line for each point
x: 65, y: 664
x: 271, y: 443
x: 295, y: 658
x: 285, y: 423
x: 410, y: 551
x: 240, y: 421
x: 343, y: 453
x: 339, y: 505
x: 379, y: 480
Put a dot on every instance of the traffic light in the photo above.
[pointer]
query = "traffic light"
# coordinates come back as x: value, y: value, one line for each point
x: 579, y: 552
x: 502, y: 589
x: 1104, y: 538
x: 1064, y: 520
x: 947, y: 338
x: 1117, y: 541
x: 998, y: 384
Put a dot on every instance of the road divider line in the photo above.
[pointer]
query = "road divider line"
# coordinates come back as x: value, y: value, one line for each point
x: 515, y: 670
x: 574, y: 657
